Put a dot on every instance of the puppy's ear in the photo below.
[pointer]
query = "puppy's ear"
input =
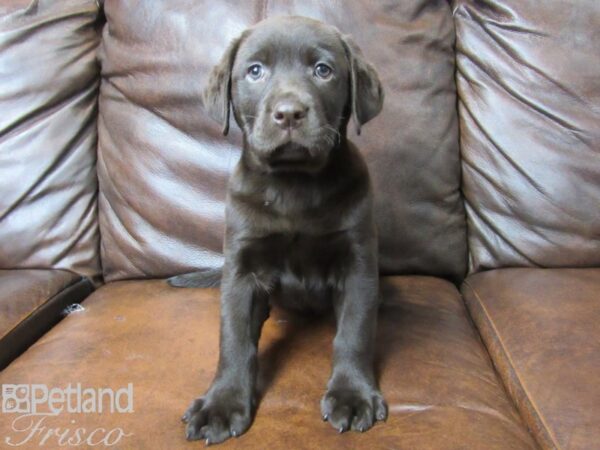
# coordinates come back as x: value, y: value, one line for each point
x: 217, y: 94
x: 366, y: 93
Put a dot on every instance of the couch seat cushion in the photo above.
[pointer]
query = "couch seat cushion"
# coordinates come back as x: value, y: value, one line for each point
x: 31, y: 302
x: 541, y: 328
x: 438, y: 380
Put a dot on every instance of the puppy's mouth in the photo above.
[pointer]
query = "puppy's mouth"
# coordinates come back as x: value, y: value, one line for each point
x: 289, y: 157
x: 287, y: 151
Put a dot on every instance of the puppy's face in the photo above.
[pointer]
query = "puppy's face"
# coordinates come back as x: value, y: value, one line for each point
x: 292, y: 84
x: 289, y: 93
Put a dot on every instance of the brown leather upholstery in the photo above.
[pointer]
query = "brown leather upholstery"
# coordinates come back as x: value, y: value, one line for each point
x: 163, y: 164
x: 529, y: 87
x: 31, y: 302
x: 541, y: 329
x: 48, y: 94
x: 437, y: 378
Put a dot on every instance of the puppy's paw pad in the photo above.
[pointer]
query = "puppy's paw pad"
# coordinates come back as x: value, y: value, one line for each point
x: 353, y: 409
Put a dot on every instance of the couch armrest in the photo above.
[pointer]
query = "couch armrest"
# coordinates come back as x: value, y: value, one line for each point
x: 31, y: 302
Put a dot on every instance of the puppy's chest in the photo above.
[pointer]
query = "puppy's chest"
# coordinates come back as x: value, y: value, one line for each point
x: 295, y: 212
x: 315, y: 260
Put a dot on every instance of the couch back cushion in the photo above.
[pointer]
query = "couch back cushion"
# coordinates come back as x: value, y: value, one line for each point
x: 529, y: 90
x: 163, y: 164
x: 49, y: 78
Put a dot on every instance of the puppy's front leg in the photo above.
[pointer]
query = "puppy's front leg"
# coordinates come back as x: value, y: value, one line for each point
x: 227, y: 408
x: 353, y: 400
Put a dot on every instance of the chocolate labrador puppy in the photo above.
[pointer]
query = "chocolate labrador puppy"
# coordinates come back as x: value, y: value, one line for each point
x: 299, y: 220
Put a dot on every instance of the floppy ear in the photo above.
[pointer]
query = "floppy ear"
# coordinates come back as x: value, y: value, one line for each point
x: 366, y: 93
x: 217, y: 93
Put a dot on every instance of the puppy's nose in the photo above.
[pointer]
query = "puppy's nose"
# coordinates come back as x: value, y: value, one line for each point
x: 289, y: 113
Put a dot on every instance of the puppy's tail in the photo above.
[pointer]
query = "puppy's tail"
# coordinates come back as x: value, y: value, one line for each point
x: 203, y: 278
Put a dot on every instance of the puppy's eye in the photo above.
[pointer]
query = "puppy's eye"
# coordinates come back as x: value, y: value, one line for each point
x: 255, y: 72
x: 323, y: 71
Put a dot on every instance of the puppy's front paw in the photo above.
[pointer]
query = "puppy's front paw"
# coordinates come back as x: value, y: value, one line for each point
x: 217, y: 417
x: 353, y: 408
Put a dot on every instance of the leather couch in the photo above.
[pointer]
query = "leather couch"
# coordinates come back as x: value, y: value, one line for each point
x: 486, y: 168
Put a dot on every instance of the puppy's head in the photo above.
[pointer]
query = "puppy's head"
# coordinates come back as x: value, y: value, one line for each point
x: 292, y: 84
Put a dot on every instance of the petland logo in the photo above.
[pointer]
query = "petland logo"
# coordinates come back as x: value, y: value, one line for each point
x: 36, y: 404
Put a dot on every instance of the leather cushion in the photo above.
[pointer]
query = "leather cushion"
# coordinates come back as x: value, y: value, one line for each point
x: 541, y: 329
x: 435, y: 373
x: 163, y: 163
x: 31, y: 301
x: 529, y: 87
x: 48, y: 96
